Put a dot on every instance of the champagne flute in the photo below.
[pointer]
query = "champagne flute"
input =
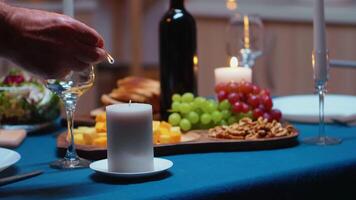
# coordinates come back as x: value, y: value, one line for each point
x: 245, y: 38
x: 69, y: 89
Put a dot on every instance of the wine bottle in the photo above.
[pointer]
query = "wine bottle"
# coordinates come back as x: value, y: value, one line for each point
x: 178, y: 47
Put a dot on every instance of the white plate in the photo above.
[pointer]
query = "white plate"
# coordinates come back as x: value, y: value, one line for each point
x: 305, y: 108
x: 160, y: 165
x: 7, y: 158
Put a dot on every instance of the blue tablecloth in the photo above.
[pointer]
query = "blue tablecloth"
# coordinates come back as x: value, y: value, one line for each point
x: 292, y: 173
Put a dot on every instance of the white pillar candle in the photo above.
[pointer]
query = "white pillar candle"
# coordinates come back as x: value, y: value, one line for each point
x: 320, y: 62
x: 236, y: 74
x: 129, y: 132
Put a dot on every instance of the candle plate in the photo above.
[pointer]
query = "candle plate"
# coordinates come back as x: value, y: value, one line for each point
x: 160, y: 165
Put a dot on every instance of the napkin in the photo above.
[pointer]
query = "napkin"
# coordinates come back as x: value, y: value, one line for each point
x: 12, y: 138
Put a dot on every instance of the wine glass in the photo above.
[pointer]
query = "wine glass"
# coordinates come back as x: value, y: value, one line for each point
x: 321, y: 76
x: 69, y: 89
x: 245, y: 38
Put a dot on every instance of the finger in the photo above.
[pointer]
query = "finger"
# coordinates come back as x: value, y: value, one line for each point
x: 87, y: 35
x: 88, y: 54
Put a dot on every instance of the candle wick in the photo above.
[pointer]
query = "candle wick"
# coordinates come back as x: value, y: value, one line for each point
x: 130, y: 102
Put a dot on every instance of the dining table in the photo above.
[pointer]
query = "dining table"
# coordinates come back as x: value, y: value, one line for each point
x: 298, y: 172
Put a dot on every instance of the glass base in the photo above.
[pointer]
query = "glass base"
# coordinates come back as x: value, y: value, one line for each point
x: 324, y: 140
x: 65, y: 163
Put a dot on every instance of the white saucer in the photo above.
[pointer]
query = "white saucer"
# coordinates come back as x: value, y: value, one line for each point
x: 160, y: 165
x: 7, y: 158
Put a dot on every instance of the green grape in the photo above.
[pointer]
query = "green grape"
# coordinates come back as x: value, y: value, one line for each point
x: 193, y: 117
x: 185, y: 108
x: 174, y: 119
x: 185, y: 125
x: 175, y: 106
x: 199, y: 102
x: 224, y: 105
x: 176, y: 97
x: 205, y: 118
x: 226, y: 114
x: 223, y: 123
x: 232, y: 119
x: 211, y: 106
x: 216, y: 116
x: 187, y: 97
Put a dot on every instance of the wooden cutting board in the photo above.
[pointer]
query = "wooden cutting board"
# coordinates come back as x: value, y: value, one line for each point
x: 196, y: 141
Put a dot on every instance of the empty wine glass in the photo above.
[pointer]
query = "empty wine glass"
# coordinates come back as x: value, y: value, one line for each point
x: 321, y: 76
x: 245, y: 38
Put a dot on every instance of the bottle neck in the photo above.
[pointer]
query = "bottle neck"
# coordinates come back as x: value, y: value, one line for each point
x: 176, y: 4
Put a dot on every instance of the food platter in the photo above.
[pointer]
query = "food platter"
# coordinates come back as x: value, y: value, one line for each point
x: 196, y: 141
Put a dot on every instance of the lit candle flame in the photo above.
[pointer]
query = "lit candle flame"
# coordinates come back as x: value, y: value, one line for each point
x: 246, y: 32
x: 234, y: 62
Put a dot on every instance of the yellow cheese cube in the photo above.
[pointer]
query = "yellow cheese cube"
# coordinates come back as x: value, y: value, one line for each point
x: 100, y: 127
x: 165, y: 125
x: 78, y: 139
x: 155, y: 125
x: 175, y: 137
x: 101, y: 117
x: 100, y: 142
x: 164, y: 139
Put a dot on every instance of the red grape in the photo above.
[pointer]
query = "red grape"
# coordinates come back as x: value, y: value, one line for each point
x: 222, y: 95
x: 233, y: 97
x: 237, y: 107
x: 268, y: 117
x: 232, y: 87
x: 246, y: 88
x: 265, y: 92
x: 221, y: 87
x: 267, y: 102
x: 257, y: 112
x: 242, y: 97
x: 276, y: 114
x: 255, y: 89
x: 245, y: 108
x: 262, y: 107
x: 253, y: 100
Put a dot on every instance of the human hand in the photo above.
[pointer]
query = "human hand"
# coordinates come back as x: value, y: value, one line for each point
x: 50, y: 44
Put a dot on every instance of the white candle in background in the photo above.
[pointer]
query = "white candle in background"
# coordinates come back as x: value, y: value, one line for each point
x: 68, y: 7
x: 320, y: 62
x: 233, y: 73
x: 129, y: 132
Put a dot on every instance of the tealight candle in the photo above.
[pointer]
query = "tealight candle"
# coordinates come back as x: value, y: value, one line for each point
x: 129, y: 132
x: 233, y: 73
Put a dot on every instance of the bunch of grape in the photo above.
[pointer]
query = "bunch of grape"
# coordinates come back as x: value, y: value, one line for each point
x: 189, y: 112
x: 246, y: 97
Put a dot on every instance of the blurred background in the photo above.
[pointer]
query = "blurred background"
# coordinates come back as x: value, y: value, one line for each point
x: 130, y: 30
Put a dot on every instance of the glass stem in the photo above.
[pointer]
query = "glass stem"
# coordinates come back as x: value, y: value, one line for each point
x: 71, y: 152
x: 321, y: 92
